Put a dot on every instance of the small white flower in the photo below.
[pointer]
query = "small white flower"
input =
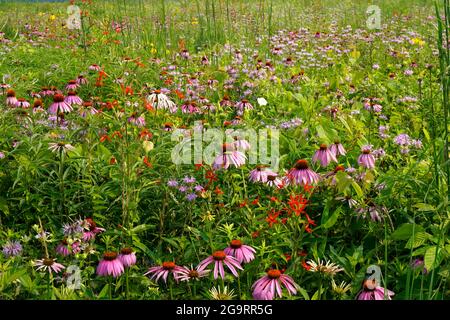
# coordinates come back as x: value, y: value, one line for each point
x: 262, y: 101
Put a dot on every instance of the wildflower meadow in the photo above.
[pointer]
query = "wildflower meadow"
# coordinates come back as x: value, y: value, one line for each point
x: 224, y: 150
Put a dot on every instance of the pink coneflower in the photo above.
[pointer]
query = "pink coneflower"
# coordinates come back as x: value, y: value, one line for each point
x: 61, y: 146
x: 229, y: 156
x: 366, y: 159
x: 226, y: 102
x: 205, y: 61
x: 337, y: 149
x: 372, y: 291
x: 92, y: 230
x: 274, y: 181
x: 72, y: 85
x: 267, y: 287
x: 242, y: 252
x: 163, y: 271
x: 62, y: 248
x: 72, y: 98
x: 160, y: 101
x: 45, y: 91
x: 110, y: 265
x: 11, y: 99
x: 48, y: 264
x: 219, y: 258
x: 87, y: 108
x: 242, y: 105
x: 59, y: 105
x: 241, y: 144
x: 324, y: 156
x: 137, y: 120
x: 95, y: 67
x: 301, y: 174
x: 190, y: 107
x: 260, y: 173
x: 127, y: 257
x: 81, y: 80
x: 187, y: 274
x: 184, y: 54
x: 22, y: 103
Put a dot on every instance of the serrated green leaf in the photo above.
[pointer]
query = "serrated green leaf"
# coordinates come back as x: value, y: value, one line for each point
x: 433, y: 257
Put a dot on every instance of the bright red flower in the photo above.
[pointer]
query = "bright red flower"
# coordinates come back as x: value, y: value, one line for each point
x: 297, y: 203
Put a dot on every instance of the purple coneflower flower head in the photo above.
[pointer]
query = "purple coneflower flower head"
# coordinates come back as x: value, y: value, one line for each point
x: 190, y: 107
x: 372, y: 212
x: 243, y: 105
x: 127, y: 257
x: 301, y: 174
x: 12, y: 249
x: 372, y: 291
x: 366, y: 159
x: 187, y: 274
x: 72, y: 98
x: 137, y: 121
x: 241, y: 144
x: 269, y: 286
x: 59, y: 105
x: 274, y: 181
x: 87, y: 108
x: 11, y: 99
x: 163, y: 271
x: 95, y: 67
x: 324, y: 156
x: 60, y: 147
x: 220, y: 258
x: 260, y: 174
x: 242, y: 252
x: 160, y: 101
x: 63, y: 249
x: 81, y: 80
x: 72, y: 85
x: 48, y: 264
x: 229, y: 156
x: 337, y: 149
x: 22, y: 103
x: 91, y: 230
x: 110, y: 265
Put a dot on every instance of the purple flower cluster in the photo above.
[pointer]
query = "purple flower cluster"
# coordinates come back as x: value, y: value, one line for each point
x: 405, y: 142
x: 187, y: 186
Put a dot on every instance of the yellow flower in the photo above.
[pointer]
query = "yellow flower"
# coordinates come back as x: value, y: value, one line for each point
x: 153, y: 51
x: 418, y: 41
x: 52, y: 17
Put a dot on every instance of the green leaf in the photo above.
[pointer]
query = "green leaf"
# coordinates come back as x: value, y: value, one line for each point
x: 405, y: 231
x: 4, y: 206
x: 104, y: 293
x: 433, y: 257
x: 417, y: 240
x: 141, y: 228
x: 357, y: 189
x: 424, y: 207
x: 303, y: 293
x: 332, y: 220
